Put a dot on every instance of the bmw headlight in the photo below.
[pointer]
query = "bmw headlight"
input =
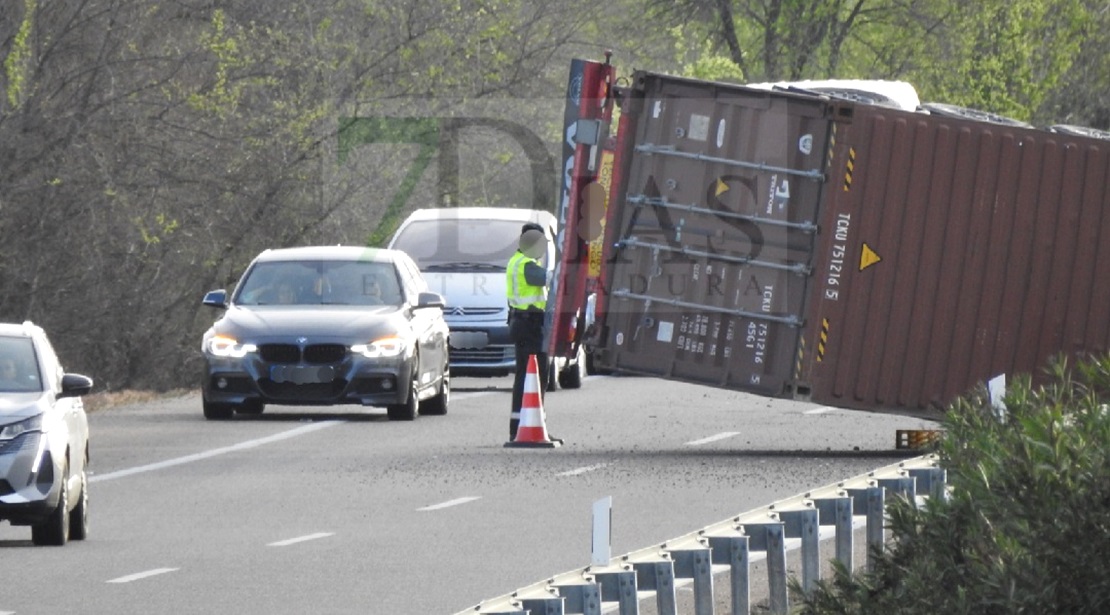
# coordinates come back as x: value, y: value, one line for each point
x: 225, y: 346
x: 14, y: 430
x: 385, y: 347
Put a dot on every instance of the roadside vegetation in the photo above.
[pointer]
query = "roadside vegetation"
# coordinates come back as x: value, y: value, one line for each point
x: 149, y: 150
x: 1026, y: 525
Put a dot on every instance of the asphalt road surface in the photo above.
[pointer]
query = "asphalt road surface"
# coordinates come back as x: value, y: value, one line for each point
x: 338, y: 510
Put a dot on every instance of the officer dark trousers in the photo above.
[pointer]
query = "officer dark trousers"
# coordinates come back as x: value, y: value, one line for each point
x: 526, y: 331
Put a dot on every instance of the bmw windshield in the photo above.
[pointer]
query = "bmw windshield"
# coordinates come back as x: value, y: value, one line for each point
x: 325, y: 282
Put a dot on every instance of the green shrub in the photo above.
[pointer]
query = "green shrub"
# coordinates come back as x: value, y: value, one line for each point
x: 1026, y: 524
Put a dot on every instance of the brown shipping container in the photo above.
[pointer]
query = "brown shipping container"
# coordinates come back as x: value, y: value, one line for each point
x: 851, y: 254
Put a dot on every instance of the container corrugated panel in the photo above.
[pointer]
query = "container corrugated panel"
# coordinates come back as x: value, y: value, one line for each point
x: 953, y: 251
x: 714, y: 233
x: 850, y: 254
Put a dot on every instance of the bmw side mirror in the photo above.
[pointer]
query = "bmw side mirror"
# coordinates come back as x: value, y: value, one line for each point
x: 75, y: 385
x: 430, y: 300
x: 216, y: 298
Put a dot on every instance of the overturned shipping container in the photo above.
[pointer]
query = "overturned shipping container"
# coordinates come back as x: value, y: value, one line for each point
x: 856, y: 255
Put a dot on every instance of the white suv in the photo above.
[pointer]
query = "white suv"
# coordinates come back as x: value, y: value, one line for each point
x: 462, y: 252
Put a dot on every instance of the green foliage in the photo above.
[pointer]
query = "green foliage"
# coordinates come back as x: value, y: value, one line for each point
x: 1026, y: 526
x: 15, y: 64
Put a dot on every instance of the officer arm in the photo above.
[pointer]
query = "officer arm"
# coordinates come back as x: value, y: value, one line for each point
x: 534, y: 274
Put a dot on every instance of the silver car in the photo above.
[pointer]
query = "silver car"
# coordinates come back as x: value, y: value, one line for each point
x: 44, y: 439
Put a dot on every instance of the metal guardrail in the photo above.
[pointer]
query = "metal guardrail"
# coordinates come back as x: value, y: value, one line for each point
x: 729, y: 545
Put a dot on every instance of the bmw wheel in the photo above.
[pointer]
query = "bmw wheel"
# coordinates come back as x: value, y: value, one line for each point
x: 54, y: 531
x: 216, y: 412
x: 408, y: 410
x: 437, y: 406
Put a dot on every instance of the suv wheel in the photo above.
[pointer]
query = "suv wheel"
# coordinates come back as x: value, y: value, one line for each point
x: 54, y: 531
x: 79, y: 518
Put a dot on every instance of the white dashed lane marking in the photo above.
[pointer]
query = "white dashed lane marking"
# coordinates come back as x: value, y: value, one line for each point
x: 721, y: 436
x: 293, y: 541
x: 285, y: 435
x: 142, y: 575
x: 449, y: 503
x: 582, y: 470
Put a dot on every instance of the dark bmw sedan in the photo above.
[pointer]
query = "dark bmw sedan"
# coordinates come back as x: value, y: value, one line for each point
x: 327, y: 325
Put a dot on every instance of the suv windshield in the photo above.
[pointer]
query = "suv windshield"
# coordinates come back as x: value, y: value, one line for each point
x: 460, y: 243
x: 320, y: 283
x: 18, y: 368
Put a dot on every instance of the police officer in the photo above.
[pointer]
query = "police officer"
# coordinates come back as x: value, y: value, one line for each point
x: 526, y: 289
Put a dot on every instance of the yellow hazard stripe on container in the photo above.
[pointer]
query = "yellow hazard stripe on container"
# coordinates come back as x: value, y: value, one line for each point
x: 823, y: 340
x: 851, y: 167
x: 801, y: 356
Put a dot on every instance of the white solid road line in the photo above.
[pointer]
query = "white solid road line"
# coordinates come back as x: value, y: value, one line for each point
x: 293, y: 541
x: 142, y: 575
x: 720, y: 436
x: 285, y: 435
x: 582, y: 470
x: 821, y: 410
x: 449, y: 503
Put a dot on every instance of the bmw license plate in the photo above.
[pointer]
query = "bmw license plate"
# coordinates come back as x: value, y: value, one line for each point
x: 468, y: 339
x: 302, y: 374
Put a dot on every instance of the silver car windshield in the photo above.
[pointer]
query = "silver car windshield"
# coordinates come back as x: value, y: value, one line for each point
x: 463, y: 243
x: 19, y: 371
x: 320, y: 283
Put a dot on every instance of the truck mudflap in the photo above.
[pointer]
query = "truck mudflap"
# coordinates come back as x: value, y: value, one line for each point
x: 712, y: 237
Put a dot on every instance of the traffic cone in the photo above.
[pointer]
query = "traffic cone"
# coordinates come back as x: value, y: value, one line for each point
x: 532, y: 430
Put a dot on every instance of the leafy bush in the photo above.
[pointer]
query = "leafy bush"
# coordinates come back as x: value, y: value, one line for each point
x: 1026, y: 524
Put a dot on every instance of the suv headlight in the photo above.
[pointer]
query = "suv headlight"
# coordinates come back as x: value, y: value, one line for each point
x: 14, y: 430
x: 224, y: 346
x: 385, y: 347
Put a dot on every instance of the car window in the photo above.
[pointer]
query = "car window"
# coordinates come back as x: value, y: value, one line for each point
x: 319, y: 283
x: 19, y: 370
x: 443, y: 244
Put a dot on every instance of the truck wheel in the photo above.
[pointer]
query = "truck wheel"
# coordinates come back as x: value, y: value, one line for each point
x: 572, y: 375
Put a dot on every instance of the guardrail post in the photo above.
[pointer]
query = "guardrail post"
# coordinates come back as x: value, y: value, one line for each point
x: 868, y: 501
x: 804, y: 524
x: 696, y: 564
x: 658, y: 577
x: 543, y: 606
x: 769, y: 537
x: 620, y: 587
x: 580, y: 598
x: 837, y: 512
x: 930, y: 480
x: 733, y: 551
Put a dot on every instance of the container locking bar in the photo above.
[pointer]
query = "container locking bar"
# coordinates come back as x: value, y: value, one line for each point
x: 792, y: 320
x: 669, y: 150
x: 632, y: 242
x: 643, y: 200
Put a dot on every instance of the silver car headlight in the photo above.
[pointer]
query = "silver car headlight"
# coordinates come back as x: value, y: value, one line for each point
x: 384, y: 347
x: 226, y: 346
x: 14, y: 430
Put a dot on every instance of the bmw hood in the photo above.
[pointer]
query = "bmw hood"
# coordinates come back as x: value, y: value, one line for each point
x: 469, y: 289
x: 321, y: 323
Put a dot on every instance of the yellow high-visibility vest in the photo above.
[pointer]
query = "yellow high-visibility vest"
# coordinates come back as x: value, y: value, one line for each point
x: 519, y: 292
